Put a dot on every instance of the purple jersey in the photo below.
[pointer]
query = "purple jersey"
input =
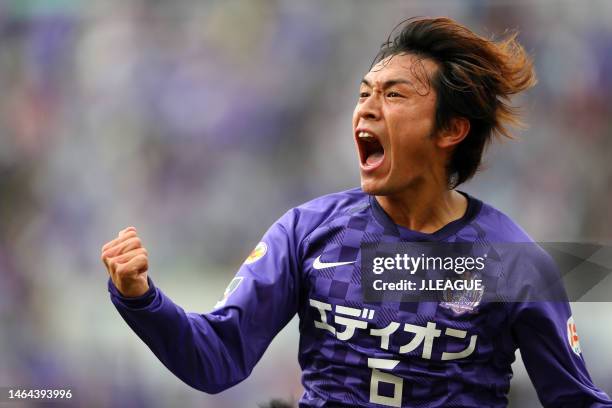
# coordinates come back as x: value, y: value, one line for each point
x: 354, y: 353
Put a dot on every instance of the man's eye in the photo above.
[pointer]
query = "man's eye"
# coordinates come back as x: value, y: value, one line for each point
x: 393, y: 94
x: 364, y: 94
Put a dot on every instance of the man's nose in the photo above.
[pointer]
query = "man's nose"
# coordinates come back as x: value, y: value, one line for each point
x: 370, y: 108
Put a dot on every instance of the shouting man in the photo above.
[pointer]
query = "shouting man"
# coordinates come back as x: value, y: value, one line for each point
x: 434, y: 97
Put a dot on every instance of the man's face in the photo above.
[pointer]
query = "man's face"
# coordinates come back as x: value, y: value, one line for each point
x: 393, y: 124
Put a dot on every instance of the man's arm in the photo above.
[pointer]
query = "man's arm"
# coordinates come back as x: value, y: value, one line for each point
x: 547, y: 338
x: 213, y: 351
x: 544, y: 330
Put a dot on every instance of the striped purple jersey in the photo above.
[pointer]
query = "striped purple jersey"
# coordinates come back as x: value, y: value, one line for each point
x: 371, y: 354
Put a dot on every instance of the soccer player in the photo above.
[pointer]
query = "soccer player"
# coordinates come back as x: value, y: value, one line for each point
x: 435, y: 96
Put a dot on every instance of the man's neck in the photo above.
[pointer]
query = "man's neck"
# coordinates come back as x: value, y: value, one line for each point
x: 424, y: 210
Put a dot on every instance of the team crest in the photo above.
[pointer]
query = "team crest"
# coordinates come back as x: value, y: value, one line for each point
x: 572, y: 336
x: 257, y: 253
x: 462, y: 301
x: 231, y: 288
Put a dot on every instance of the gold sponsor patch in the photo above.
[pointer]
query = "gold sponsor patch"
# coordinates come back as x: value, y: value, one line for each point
x: 257, y: 253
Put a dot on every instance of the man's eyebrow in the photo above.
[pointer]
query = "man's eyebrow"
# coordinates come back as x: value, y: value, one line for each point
x: 388, y: 83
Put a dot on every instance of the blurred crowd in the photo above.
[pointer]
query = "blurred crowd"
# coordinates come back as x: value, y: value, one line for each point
x: 201, y: 122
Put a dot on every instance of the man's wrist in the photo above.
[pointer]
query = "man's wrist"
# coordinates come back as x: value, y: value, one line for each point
x: 138, y: 302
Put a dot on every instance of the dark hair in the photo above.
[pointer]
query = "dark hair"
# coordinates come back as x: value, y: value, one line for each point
x: 475, y: 79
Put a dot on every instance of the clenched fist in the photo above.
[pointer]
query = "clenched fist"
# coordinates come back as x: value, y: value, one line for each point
x: 127, y: 263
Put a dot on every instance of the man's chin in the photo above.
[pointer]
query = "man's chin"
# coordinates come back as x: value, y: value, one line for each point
x: 373, y: 188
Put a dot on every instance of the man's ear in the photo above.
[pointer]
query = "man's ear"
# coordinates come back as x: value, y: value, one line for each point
x: 457, y: 130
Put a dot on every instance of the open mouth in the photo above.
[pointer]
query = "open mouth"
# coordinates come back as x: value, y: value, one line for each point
x: 371, y: 151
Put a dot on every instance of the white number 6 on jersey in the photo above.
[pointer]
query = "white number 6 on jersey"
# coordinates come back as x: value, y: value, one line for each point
x: 378, y: 377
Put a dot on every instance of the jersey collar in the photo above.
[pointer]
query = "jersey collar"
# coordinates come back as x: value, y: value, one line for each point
x: 473, y: 208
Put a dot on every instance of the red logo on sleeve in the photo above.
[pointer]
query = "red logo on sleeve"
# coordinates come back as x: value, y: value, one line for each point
x: 572, y: 336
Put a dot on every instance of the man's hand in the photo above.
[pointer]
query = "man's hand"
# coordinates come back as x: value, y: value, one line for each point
x: 127, y: 263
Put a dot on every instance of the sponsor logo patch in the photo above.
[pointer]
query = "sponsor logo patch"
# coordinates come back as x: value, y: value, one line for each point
x: 258, y: 252
x: 231, y: 288
x: 572, y: 336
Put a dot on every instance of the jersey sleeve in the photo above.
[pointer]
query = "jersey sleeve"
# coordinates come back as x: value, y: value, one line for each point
x: 545, y: 332
x: 213, y: 351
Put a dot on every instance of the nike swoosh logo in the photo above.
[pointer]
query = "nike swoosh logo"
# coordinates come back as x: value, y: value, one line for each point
x: 317, y: 264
